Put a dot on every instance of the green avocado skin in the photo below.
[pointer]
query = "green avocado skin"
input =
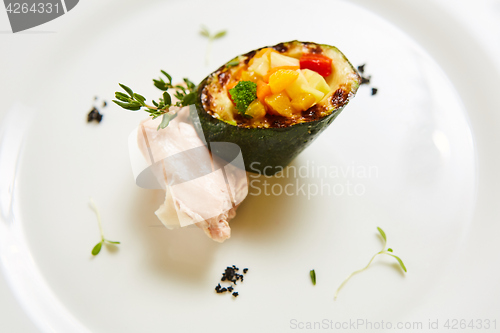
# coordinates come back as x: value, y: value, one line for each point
x: 265, y: 150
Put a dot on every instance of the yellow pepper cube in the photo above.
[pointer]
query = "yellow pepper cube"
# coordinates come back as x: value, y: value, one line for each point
x: 281, y: 79
x: 301, y: 86
x: 261, y: 62
x: 281, y: 104
x: 316, y: 81
x: 303, y: 101
x: 256, y: 110
x: 279, y: 60
x: 249, y: 76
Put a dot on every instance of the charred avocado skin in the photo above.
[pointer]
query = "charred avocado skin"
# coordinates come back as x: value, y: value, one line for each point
x: 269, y: 150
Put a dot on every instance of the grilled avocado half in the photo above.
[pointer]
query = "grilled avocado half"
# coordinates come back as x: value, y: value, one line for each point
x: 274, y: 101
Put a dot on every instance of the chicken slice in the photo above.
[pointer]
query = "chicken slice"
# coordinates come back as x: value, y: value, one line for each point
x: 199, y: 189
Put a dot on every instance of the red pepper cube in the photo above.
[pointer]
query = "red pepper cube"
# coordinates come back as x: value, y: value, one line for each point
x: 316, y: 62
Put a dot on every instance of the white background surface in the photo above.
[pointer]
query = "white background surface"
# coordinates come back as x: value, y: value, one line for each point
x: 475, y: 281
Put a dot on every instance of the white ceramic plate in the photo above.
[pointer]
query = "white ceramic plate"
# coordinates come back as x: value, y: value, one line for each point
x: 405, y: 159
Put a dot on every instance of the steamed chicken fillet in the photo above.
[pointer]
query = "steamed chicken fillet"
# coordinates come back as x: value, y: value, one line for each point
x: 205, y: 201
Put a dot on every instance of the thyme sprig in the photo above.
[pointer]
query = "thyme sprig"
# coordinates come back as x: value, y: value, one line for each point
x: 384, y: 251
x: 97, y: 248
x: 185, y: 94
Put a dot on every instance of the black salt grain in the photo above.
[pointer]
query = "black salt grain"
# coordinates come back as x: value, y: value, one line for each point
x: 374, y: 91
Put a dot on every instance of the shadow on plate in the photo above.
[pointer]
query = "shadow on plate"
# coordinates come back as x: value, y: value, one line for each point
x: 183, y: 254
x: 187, y: 253
x: 268, y: 214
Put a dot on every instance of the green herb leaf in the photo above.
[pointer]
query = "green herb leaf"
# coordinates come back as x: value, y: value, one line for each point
x: 220, y: 34
x: 312, y: 273
x: 167, y: 75
x: 160, y: 84
x: 127, y: 89
x: 181, y: 88
x: 204, y: 32
x: 190, y: 85
x: 189, y: 99
x: 166, y: 98
x: 383, y: 251
x: 164, y: 121
x: 179, y: 95
x: 132, y: 106
x: 233, y: 63
x: 122, y: 97
x: 139, y: 98
x: 382, y: 233
x: 399, y: 260
x: 97, y: 249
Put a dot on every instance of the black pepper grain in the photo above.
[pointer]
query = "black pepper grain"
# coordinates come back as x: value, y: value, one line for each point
x: 94, y: 115
x: 230, y: 275
x: 365, y: 79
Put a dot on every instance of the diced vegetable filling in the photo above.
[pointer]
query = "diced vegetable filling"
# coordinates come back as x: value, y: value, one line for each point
x: 277, y: 84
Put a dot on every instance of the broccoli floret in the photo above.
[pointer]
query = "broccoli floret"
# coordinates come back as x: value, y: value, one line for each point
x: 244, y: 93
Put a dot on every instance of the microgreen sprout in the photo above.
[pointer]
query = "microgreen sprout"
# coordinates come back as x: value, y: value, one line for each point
x: 98, y: 246
x: 384, y: 251
x: 312, y: 273
x: 211, y: 37
x: 185, y: 94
